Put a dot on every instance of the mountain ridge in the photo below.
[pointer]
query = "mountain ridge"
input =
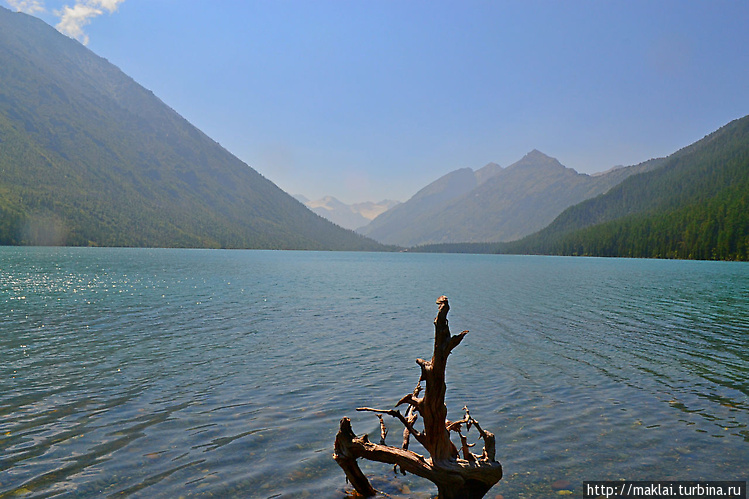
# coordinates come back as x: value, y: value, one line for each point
x: 703, y: 189
x: 694, y: 205
x: 90, y: 157
x: 427, y: 200
x: 508, y: 203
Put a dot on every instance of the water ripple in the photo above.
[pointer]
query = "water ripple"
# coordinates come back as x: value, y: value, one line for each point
x: 160, y: 373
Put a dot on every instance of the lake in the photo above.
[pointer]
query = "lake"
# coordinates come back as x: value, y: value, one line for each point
x: 207, y: 373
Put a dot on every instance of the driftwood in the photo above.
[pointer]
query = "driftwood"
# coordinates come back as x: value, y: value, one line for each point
x: 467, y: 477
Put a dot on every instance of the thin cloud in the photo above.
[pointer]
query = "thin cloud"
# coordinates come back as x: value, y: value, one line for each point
x: 27, y: 6
x: 74, y: 19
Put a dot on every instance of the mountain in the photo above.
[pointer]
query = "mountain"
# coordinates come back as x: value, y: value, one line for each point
x: 89, y: 157
x: 348, y: 216
x: 395, y: 224
x: 695, y: 206
x: 371, y: 210
x: 493, y: 203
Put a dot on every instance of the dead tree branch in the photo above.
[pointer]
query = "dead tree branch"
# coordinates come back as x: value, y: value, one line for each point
x: 469, y: 477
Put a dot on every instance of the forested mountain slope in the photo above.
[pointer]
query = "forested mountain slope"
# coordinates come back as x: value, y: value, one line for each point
x: 89, y: 157
x: 696, y: 207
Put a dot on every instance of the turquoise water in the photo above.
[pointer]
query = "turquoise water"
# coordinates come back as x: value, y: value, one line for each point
x: 168, y: 373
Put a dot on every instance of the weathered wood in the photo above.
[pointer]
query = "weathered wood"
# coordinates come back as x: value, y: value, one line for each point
x: 346, y: 459
x: 469, y: 477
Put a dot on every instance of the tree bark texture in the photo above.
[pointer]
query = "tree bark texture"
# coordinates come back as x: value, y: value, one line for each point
x: 467, y: 477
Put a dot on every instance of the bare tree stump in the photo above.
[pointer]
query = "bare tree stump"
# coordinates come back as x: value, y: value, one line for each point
x: 469, y: 477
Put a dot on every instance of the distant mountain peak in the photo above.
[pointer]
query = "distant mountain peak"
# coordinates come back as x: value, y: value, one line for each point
x: 536, y: 155
x: 327, y: 202
x: 535, y: 159
x: 348, y: 216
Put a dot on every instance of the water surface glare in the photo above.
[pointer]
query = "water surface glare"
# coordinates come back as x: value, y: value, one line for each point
x: 168, y: 373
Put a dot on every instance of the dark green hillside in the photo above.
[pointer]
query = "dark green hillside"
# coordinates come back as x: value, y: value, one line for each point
x: 89, y: 157
x: 696, y: 207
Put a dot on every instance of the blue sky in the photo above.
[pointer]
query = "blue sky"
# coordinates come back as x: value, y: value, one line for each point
x: 372, y: 99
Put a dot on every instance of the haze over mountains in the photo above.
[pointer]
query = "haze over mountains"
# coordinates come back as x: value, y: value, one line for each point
x: 348, y: 216
x: 89, y: 157
x: 493, y: 203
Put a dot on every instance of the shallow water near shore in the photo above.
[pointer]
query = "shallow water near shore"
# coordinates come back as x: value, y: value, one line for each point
x: 169, y: 373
